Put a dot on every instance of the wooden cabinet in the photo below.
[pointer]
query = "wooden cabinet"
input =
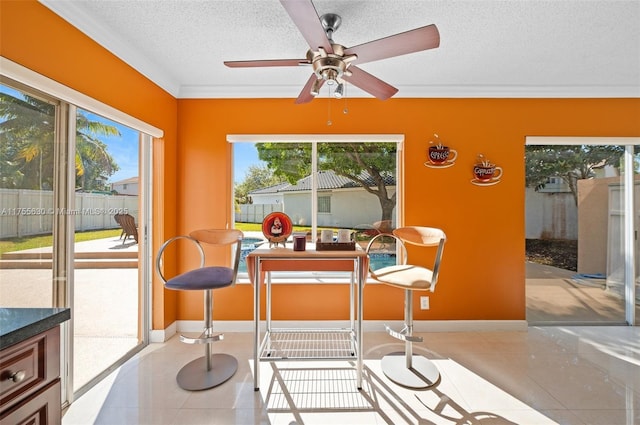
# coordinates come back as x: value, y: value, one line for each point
x: 30, y: 381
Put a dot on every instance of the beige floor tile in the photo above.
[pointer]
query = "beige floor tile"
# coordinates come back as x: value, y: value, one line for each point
x: 564, y: 375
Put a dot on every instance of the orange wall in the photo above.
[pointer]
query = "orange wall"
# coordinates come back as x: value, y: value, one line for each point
x: 482, y: 273
x: 483, y: 269
x: 38, y: 39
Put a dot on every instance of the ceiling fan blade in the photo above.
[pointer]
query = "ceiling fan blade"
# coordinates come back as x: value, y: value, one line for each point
x: 412, y: 41
x: 305, y: 95
x: 268, y: 62
x: 369, y: 83
x: 305, y: 16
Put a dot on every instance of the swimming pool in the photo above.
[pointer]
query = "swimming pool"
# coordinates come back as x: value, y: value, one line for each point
x: 377, y: 260
x: 248, y: 245
x: 251, y: 243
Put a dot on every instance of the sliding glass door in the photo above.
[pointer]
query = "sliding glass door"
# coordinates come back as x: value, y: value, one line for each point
x: 581, y: 227
x: 67, y: 176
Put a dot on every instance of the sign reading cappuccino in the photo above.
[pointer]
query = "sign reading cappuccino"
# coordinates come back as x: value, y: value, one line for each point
x: 486, y: 172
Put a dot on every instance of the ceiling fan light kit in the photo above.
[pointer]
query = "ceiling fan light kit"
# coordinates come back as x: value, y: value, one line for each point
x: 335, y: 64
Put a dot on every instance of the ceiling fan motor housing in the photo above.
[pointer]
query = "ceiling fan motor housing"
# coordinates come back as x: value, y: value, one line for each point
x: 330, y: 66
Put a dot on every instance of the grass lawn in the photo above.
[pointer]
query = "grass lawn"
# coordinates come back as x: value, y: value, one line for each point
x: 29, y: 242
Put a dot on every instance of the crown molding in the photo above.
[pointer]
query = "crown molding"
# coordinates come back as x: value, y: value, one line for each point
x: 470, y: 91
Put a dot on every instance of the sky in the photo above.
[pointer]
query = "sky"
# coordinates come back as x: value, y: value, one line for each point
x: 244, y: 155
x: 123, y: 149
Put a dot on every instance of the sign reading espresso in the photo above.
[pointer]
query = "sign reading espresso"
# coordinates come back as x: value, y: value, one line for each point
x: 440, y: 155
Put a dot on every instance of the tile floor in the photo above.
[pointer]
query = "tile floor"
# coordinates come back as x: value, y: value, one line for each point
x: 546, y: 375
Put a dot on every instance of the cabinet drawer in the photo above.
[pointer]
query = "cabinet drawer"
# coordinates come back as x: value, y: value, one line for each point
x: 42, y: 409
x: 29, y: 366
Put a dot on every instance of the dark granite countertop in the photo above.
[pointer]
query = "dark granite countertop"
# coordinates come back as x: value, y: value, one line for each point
x: 19, y: 324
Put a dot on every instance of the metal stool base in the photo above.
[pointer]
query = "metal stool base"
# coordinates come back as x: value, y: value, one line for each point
x: 194, y: 376
x: 422, y: 375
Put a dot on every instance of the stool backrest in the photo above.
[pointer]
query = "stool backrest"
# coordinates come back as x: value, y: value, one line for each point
x: 217, y: 237
x: 221, y: 237
x: 425, y: 236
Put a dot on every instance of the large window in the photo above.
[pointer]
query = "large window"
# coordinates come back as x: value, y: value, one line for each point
x: 319, y: 184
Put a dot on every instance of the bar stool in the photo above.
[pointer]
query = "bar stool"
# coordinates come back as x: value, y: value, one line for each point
x: 210, y: 370
x: 407, y: 369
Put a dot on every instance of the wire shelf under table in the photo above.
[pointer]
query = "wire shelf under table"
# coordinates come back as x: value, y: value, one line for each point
x: 304, y: 344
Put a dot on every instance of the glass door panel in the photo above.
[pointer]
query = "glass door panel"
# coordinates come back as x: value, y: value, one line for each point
x: 106, y: 293
x: 27, y: 135
x: 622, y: 235
x: 636, y: 199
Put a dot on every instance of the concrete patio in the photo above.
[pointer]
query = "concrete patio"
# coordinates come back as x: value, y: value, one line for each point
x: 557, y: 296
x: 105, y: 314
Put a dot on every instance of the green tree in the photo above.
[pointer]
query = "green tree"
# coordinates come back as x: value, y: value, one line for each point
x: 27, y: 126
x: 256, y: 177
x: 570, y: 162
x: 26, y: 140
x: 370, y: 165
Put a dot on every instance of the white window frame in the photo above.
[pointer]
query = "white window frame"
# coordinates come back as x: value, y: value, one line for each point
x: 314, y: 139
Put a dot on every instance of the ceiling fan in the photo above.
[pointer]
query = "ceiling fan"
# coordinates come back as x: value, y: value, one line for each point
x: 333, y: 63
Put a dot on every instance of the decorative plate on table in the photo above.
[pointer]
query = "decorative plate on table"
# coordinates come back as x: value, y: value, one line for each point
x: 277, y: 227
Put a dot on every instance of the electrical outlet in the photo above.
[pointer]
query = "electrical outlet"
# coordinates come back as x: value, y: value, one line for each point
x: 424, y: 303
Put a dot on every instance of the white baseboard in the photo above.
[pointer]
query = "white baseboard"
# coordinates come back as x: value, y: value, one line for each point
x: 368, y: 326
x: 161, y: 335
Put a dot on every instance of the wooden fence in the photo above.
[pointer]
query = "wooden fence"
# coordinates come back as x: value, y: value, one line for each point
x: 31, y: 212
x: 255, y: 213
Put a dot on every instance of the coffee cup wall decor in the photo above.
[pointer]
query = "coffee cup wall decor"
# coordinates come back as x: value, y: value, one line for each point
x: 440, y: 155
x: 485, y: 173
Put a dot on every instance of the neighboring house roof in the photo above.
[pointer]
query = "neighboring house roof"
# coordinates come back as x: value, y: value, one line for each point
x: 327, y: 180
x: 130, y: 180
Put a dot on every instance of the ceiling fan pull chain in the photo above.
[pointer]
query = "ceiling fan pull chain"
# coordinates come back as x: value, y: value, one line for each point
x: 346, y: 108
x: 329, y: 122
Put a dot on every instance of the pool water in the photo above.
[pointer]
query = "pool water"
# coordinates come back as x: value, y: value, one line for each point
x: 377, y: 260
x: 251, y: 243
x: 248, y: 245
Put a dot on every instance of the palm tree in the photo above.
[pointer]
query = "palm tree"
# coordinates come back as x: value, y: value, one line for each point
x: 94, y: 164
x: 27, y: 128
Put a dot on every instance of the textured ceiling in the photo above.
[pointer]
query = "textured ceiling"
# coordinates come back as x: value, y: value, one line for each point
x: 516, y: 48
